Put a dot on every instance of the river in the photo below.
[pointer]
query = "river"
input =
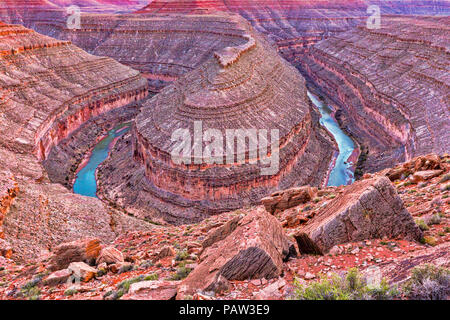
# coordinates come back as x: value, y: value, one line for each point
x: 343, y: 170
x: 86, y: 182
x: 341, y: 174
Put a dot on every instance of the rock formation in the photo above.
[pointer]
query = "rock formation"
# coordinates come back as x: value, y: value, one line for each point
x: 48, y: 88
x: 368, y: 209
x: 390, y: 86
x: 247, y: 87
x: 255, y: 249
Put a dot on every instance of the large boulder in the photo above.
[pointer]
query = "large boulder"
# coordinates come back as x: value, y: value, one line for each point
x: 367, y: 209
x: 110, y: 255
x: 282, y: 200
x: 57, y: 277
x: 255, y: 249
x: 86, y: 250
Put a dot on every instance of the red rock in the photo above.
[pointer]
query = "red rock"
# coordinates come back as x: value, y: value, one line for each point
x: 165, y: 252
x: 82, y: 271
x: 152, y: 290
x: 255, y: 249
x: 419, y: 176
x: 110, y: 255
x: 367, y: 209
x: 57, y: 277
x: 286, y: 199
x: 221, y: 232
x: 80, y: 250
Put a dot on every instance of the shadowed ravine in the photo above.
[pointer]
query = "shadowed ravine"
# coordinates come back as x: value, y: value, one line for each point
x: 343, y: 171
x: 86, y: 183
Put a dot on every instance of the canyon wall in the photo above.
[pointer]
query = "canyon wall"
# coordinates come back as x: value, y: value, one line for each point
x: 48, y: 88
x: 391, y: 86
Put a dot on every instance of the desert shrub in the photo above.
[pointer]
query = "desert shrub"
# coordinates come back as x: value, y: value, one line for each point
x: 445, y: 178
x: 429, y: 240
x: 351, y: 286
x: 70, y: 292
x: 125, y: 285
x: 181, y: 273
x: 428, y: 282
x: 435, y: 219
x: 182, y: 255
x: 422, y: 225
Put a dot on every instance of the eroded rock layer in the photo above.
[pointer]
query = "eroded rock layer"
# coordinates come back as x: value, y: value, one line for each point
x: 243, y: 87
x: 391, y: 86
x: 48, y: 88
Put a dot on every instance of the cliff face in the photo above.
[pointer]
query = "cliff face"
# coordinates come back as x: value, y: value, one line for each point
x: 391, y: 86
x: 243, y: 87
x: 181, y: 35
x: 48, y: 88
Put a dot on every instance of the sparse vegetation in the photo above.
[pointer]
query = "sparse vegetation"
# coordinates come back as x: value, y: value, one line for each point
x: 181, y: 273
x: 422, y: 224
x: 428, y: 282
x: 435, y: 219
x: 352, y: 286
x: 429, y: 240
x: 70, y: 292
x: 445, y: 178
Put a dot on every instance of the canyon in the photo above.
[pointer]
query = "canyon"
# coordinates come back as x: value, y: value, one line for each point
x: 390, y: 84
x: 365, y: 104
x: 49, y: 88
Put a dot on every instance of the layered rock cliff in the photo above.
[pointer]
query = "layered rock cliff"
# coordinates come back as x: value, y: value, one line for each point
x: 48, y: 88
x: 390, y: 85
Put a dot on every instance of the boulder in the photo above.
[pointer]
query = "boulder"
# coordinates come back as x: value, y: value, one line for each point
x: 165, y: 252
x: 86, y: 250
x: 255, y: 249
x: 110, y: 255
x: 367, y: 209
x: 82, y: 271
x: 57, y: 277
x: 221, y: 232
x: 425, y: 175
x: 152, y: 290
x: 289, y: 198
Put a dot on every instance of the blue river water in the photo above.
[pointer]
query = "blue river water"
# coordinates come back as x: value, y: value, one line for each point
x: 86, y: 183
x: 342, y: 172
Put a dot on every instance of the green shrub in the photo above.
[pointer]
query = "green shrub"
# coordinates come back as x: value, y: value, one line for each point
x: 435, y: 219
x: 181, y: 255
x: 352, y: 286
x: 428, y: 282
x: 422, y: 224
x: 181, y: 273
x: 70, y: 292
x: 429, y: 240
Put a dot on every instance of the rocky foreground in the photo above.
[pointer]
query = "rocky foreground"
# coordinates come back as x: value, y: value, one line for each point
x: 391, y: 222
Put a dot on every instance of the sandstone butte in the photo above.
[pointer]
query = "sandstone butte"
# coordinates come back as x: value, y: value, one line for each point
x: 48, y: 88
x: 246, y: 86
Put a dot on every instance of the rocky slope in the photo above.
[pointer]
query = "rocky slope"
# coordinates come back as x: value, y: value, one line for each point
x: 173, y: 262
x: 244, y: 87
x: 48, y: 88
x: 390, y: 86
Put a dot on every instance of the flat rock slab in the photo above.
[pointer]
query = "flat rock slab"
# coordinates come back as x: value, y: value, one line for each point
x: 80, y: 250
x: 255, y: 249
x: 152, y: 290
x: 368, y: 209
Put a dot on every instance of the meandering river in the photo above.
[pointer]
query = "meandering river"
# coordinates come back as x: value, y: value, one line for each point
x: 86, y: 182
x: 341, y: 174
x: 343, y: 171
